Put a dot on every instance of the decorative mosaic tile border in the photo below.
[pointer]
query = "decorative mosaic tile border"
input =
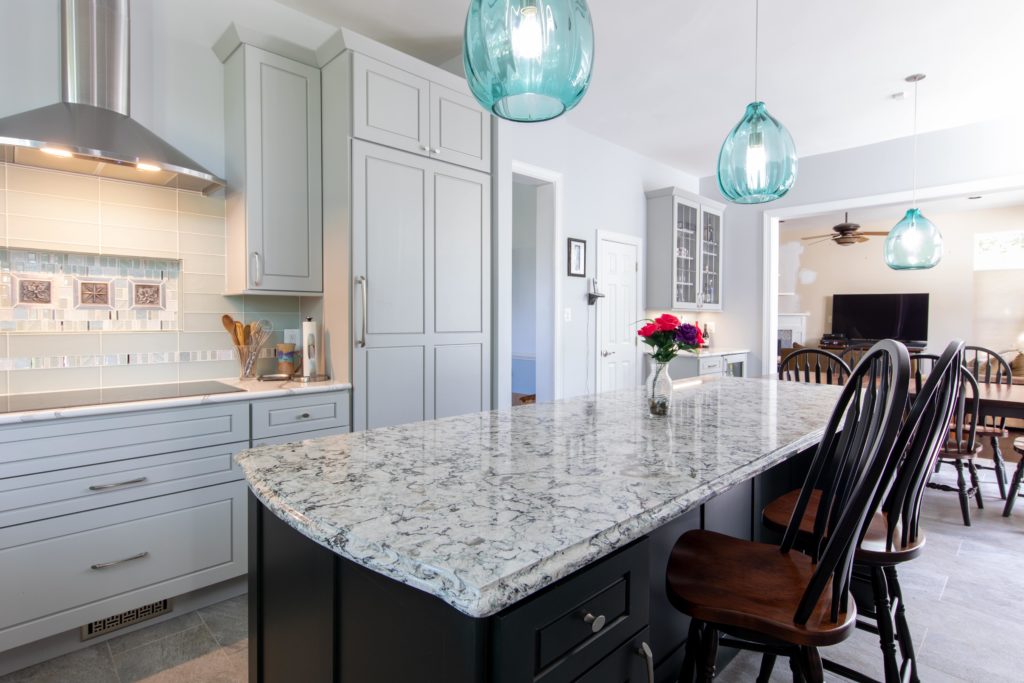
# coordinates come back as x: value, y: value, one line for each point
x: 119, y: 359
x: 47, y: 291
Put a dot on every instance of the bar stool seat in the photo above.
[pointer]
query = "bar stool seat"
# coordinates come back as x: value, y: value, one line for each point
x: 752, y: 587
x: 872, y: 548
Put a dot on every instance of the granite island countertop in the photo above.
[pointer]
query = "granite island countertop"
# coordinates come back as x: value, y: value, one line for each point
x: 483, y: 510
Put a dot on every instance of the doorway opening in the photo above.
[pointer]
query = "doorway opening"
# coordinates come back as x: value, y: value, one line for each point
x: 533, y: 289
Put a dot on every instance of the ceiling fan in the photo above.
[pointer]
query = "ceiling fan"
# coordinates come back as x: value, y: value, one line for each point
x: 846, y: 233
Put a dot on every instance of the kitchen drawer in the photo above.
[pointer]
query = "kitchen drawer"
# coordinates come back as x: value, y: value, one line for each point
x: 31, y: 448
x: 555, y: 636
x: 49, y: 494
x: 301, y: 436
x: 64, y: 572
x: 631, y: 663
x: 712, y: 365
x: 303, y: 413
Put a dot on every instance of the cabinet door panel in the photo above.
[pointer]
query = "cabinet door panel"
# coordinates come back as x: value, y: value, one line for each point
x: 396, y: 236
x: 284, y: 221
x: 711, y: 260
x: 460, y: 211
x: 460, y: 131
x: 390, y: 106
x: 458, y: 380
x: 394, y: 386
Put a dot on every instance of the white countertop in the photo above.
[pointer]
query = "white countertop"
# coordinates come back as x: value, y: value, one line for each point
x: 713, y: 351
x: 252, y: 389
x: 483, y: 510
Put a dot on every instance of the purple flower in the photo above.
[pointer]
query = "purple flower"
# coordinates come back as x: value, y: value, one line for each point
x: 686, y: 334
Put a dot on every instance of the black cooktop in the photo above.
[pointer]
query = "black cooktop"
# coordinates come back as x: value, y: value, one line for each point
x: 17, y: 403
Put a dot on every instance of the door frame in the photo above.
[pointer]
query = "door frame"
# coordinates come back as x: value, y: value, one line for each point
x: 556, y: 180
x: 638, y: 242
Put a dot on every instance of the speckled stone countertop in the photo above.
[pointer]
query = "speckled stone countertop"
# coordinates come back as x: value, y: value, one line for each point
x: 483, y: 510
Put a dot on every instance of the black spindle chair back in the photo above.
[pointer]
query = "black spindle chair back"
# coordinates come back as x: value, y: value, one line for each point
x: 814, y: 365
x: 852, y: 463
x: 988, y: 367
x: 937, y: 388
x: 963, y: 428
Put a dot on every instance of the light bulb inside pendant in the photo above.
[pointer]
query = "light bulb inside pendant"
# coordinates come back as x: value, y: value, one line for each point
x: 756, y: 160
x: 528, y: 34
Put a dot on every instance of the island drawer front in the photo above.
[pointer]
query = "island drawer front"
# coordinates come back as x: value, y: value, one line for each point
x: 61, y: 492
x: 548, y: 638
x: 58, y: 444
x: 61, y: 573
x: 711, y: 365
x: 627, y: 664
x: 280, y: 416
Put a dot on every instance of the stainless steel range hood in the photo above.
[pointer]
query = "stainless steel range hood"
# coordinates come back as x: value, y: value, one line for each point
x: 91, y: 131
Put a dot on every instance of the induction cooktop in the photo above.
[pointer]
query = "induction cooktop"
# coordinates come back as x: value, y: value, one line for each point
x: 54, y: 400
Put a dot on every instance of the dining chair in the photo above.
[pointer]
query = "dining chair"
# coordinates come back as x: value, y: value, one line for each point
x: 894, y: 534
x: 989, y: 367
x: 814, y: 365
x: 1018, y: 474
x: 962, y: 446
x: 773, y: 598
x: 853, y: 355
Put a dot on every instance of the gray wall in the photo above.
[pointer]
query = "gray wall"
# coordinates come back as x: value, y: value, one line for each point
x: 960, y: 155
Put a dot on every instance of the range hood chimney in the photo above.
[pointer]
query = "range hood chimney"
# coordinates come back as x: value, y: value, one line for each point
x: 90, y: 130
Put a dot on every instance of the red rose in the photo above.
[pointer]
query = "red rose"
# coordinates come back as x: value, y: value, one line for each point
x: 667, y: 322
x: 647, y: 330
x: 700, y: 336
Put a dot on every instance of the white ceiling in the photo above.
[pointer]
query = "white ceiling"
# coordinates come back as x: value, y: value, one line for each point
x: 672, y: 77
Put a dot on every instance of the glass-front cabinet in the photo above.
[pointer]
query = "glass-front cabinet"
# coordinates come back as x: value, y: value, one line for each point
x: 684, y: 251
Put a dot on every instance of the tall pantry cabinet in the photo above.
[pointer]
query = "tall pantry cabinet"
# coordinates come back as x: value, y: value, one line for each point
x: 407, y: 237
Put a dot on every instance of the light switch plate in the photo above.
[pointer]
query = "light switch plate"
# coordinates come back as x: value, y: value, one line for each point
x: 291, y: 337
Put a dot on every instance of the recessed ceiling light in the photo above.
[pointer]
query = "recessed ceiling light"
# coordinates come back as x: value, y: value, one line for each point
x: 57, y: 152
x: 145, y: 166
x: 977, y: 196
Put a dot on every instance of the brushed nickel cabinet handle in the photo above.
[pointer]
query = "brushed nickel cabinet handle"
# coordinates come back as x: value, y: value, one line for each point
x: 596, y: 623
x: 114, y: 563
x: 257, y: 275
x: 645, y: 651
x: 107, y: 487
x: 361, y: 281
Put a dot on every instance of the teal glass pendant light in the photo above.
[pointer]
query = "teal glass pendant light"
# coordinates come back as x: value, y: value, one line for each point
x: 914, y: 243
x: 528, y: 60
x: 757, y: 162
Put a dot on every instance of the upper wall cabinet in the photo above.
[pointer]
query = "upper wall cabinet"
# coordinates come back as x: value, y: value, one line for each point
x: 684, y: 251
x: 398, y: 109
x: 274, y: 202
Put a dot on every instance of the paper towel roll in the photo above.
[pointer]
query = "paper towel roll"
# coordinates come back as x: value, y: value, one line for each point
x: 310, y: 348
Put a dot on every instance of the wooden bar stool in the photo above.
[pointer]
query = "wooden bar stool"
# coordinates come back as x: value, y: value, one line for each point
x: 1018, y: 446
x: 814, y: 365
x: 893, y: 535
x: 962, y: 447
x: 768, y: 598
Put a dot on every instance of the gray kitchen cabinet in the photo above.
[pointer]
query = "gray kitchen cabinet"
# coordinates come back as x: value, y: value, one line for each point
x: 403, y: 110
x: 274, y: 192
x: 733, y: 364
x: 684, y: 251
x: 112, y: 512
x: 421, y: 268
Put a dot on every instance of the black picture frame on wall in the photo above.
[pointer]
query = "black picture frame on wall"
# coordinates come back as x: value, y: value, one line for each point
x: 577, y: 259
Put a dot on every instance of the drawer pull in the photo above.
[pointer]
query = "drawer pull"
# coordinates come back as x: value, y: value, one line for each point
x: 304, y: 416
x: 645, y: 651
x: 596, y: 623
x: 107, y: 487
x: 114, y: 563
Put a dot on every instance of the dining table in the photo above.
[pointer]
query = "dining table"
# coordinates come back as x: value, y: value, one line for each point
x: 1004, y: 400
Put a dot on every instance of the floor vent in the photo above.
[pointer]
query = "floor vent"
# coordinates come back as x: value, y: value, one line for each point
x: 125, y: 619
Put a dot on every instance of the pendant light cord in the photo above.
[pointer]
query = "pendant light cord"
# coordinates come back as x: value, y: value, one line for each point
x: 757, y: 23
x: 913, y: 193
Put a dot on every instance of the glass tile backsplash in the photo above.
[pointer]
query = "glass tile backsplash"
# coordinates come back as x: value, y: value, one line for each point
x: 47, y: 291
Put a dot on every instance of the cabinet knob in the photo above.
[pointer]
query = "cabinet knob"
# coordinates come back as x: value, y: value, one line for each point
x: 304, y: 416
x: 596, y: 623
x: 424, y: 148
x: 436, y: 150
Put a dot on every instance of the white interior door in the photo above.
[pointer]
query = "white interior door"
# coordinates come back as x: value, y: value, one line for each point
x: 618, y: 278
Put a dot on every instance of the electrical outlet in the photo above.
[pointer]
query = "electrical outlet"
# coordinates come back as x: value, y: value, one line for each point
x: 567, y: 315
x: 292, y: 337
x: 711, y: 328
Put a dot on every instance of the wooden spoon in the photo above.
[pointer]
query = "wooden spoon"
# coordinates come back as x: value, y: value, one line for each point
x: 240, y: 333
x: 229, y: 324
x: 247, y: 333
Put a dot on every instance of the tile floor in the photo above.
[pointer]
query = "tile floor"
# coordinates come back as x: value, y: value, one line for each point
x: 963, y: 598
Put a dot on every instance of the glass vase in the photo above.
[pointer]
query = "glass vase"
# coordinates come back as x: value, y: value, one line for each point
x: 659, y: 389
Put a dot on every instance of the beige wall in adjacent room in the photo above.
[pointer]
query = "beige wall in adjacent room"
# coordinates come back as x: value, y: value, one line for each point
x: 984, y: 307
x: 62, y: 212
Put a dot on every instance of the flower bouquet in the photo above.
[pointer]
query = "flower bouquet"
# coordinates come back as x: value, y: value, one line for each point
x: 667, y: 337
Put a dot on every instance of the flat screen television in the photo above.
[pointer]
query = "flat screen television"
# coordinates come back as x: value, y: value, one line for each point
x: 881, y: 316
